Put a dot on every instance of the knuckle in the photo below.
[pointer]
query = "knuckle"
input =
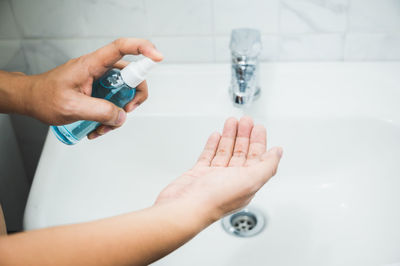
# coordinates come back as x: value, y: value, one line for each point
x: 144, y: 44
x: 221, y: 152
x: 119, y: 41
x: 19, y: 73
x: 147, y: 42
x: 108, y: 112
x: 239, y: 153
x: 81, y: 59
x: 118, y: 44
x: 76, y: 60
x: 252, y: 155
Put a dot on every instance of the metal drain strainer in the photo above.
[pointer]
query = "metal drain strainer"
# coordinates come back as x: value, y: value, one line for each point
x: 245, y: 223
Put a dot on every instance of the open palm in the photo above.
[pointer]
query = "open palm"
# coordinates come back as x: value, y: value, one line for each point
x: 230, y: 170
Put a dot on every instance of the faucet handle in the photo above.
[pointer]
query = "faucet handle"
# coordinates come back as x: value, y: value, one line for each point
x: 245, y: 43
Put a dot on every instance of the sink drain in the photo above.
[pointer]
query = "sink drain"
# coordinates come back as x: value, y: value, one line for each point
x: 245, y: 223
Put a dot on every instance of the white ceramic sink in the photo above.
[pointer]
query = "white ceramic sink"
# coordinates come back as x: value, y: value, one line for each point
x: 334, y: 201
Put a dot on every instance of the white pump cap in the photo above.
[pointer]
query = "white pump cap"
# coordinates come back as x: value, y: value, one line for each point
x: 134, y: 73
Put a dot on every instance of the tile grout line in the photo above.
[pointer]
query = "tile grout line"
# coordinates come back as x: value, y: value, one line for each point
x: 279, y: 52
x: 212, y: 2
x: 346, y: 33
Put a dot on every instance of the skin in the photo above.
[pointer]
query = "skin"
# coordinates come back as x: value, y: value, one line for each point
x: 231, y: 169
x: 62, y: 95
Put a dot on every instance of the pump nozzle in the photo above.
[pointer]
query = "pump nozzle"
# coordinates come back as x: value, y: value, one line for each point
x: 134, y: 73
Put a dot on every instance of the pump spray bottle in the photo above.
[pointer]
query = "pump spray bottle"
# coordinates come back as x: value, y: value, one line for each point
x: 116, y: 86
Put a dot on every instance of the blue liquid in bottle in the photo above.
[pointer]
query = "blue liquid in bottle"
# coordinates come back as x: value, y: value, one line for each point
x: 111, y: 87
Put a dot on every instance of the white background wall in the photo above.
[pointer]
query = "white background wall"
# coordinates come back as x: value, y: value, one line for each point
x: 36, y: 35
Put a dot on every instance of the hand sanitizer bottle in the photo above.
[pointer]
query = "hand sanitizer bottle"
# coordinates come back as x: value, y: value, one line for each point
x: 115, y: 86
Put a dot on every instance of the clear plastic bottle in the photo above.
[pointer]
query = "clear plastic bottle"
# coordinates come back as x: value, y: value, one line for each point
x: 115, y: 86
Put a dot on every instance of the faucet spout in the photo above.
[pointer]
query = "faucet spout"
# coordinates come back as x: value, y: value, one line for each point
x: 245, y: 48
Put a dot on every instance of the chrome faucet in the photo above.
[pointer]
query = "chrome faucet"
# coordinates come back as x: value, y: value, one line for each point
x: 245, y: 48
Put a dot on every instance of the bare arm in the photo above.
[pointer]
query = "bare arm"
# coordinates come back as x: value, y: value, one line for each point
x: 231, y: 169
x: 131, y: 239
x: 13, y: 87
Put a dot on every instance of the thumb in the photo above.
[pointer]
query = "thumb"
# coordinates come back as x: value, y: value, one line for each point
x: 268, y: 165
x: 100, y: 110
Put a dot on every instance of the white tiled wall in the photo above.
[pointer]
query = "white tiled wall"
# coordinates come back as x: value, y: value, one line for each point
x: 260, y: 14
x: 36, y: 35
x: 179, y: 17
x: 374, y: 16
x: 301, y: 17
x: 321, y: 46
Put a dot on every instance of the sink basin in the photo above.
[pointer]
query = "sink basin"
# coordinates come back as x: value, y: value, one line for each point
x: 334, y: 200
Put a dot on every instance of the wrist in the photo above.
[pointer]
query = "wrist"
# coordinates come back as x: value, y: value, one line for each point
x: 195, y: 215
x: 24, y: 96
x: 203, y: 212
x: 15, y: 91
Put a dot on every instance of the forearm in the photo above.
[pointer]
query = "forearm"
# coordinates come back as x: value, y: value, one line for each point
x: 137, y: 238
x: 14, y: 88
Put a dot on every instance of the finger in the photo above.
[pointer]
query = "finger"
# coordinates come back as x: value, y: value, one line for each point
x: 17, y: 73
x: 93, y: 135
x: 121, y: 64
x: 209, y: 150
x: 258, y: 144
x: 242, y: 142
x: 267, y: 166
x: 141, y: 95
x: 226, y: 143
x: 102, y: 59
x: 95, y: 109
x: 100, y: 131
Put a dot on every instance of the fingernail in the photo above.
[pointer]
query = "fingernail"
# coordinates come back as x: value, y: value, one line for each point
x: 121, y: 118
x: 104, y: 130
x: 157, y: 53
x: 93, y: 135
x: 134, y: 106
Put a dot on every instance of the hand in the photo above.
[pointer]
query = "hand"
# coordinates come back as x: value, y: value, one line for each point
x: 62, y: 95
x: 227, y: 175
x: 229, y: 172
